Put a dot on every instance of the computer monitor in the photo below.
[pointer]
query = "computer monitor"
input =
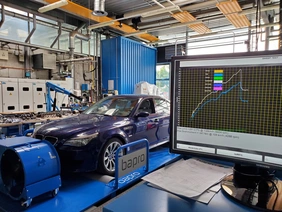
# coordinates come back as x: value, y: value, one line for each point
x: 229, y: 107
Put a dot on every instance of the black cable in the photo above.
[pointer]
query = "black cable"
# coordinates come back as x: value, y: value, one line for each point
x: 252, y: 193
x: 273, y: 183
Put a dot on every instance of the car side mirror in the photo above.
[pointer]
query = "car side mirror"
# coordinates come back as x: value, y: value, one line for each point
x: 142, y: 114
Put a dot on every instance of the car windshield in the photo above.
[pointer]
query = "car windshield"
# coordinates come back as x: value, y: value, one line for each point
x: 113, y: 106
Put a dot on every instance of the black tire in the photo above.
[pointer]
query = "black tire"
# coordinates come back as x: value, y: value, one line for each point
x: 106, y: 162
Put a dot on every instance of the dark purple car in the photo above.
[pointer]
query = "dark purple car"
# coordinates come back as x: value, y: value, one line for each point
x: 88, y: 141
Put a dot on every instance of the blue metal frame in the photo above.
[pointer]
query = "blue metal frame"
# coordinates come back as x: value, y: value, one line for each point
x: 124, y: 147
x: 56, y: 88
x: 27, y: 131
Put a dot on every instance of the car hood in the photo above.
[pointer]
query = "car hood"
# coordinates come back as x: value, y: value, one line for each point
x: 68, y: 127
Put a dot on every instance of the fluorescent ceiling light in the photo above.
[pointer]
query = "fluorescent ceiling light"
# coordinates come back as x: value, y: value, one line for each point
x: 186, y: 17
x: 135, y: 33
x: 102, y: 24
x: 231, y: 9
x: 53, y: 6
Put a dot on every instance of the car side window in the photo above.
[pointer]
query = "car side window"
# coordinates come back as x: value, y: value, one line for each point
x: 146, y: 106
x: 162, y: 106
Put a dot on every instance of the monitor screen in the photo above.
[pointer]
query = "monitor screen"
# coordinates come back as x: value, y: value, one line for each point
x: 228, y: 107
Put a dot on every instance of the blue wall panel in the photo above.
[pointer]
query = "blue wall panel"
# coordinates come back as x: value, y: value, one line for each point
x: 127, y: 62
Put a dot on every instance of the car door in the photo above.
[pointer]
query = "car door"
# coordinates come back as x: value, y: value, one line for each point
x: 162, y: 110
x: 146, y: 127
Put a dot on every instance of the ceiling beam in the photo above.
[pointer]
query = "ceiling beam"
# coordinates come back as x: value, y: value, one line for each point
x: 86, y: 13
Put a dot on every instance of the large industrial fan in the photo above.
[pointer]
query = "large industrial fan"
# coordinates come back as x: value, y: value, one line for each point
x: 29, y: 168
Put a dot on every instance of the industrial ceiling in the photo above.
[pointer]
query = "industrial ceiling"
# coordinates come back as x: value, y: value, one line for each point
x: 154, y: 21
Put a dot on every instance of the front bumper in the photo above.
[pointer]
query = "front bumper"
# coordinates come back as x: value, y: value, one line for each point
x: 77, y: 160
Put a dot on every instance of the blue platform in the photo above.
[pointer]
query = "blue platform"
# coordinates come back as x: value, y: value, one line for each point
x: 80, y: 191
x: 145, y: 198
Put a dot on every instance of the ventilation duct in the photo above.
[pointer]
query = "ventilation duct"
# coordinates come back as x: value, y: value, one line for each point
x: 99, y: 8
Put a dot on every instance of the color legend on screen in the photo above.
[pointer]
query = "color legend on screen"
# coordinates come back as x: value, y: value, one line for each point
x: 217, y: 80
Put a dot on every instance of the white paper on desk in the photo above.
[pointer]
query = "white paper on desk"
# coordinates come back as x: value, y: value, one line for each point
x: 188, y: 178
x: 215, y: 188
x: 204, y: 197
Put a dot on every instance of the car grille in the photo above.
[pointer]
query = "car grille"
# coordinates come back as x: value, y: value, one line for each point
x: 51, y: 139
x: 39, y: 137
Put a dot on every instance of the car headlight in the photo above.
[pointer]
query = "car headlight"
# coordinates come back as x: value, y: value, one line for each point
x: 80, y: 140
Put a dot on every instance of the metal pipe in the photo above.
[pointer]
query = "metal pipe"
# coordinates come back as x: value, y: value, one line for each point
x: 93, y: 90
x: 72, y: 36
x: 166, y: 4
x: 25, y: 9
x: 75, y: 60
x: 99, y: 8
x: 33, y: 29
x: 173, y: 4
x: 2, y: 15
x: 219, y: 37
x: 175, y: 48
x: 82, y: 36
x: 266, y: 42
x: 232, y: 30
x: 158, y: 3
x: 97, y: 76
x: 58, y: 36
x: 234, y: 41
x: 157, y: 23
x: 187, y: 36
x: 249, y: 40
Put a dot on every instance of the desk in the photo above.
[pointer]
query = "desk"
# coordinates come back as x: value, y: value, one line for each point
x: 143, y: 198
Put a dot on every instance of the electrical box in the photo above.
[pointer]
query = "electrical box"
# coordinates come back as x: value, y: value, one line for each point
x: 44, y: 61
x: 39, y: 92
x: 4, y: 55
x: 10, y: 93
x: 21, y: 57
x: 25, y: 95
x: 63, y: 99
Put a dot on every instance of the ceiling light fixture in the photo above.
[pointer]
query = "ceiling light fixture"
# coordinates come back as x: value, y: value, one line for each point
x: 53, y: 6
x: 102, y: 24
x: 231, y: 9
x: 99, y: 8
x: 186, y: 17
x: 135, y: 33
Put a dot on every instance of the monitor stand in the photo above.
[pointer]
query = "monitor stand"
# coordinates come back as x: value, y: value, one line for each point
x: 254, y: 187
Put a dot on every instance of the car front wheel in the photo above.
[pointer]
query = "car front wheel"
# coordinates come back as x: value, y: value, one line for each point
x: 106, y: 163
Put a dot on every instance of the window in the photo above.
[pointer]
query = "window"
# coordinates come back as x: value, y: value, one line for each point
x: 10, y: 89
x: 162, y: 106
x: 44, y: 35
x: 25, y: 88
x: 162, y: 80
x: 146, y: 106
